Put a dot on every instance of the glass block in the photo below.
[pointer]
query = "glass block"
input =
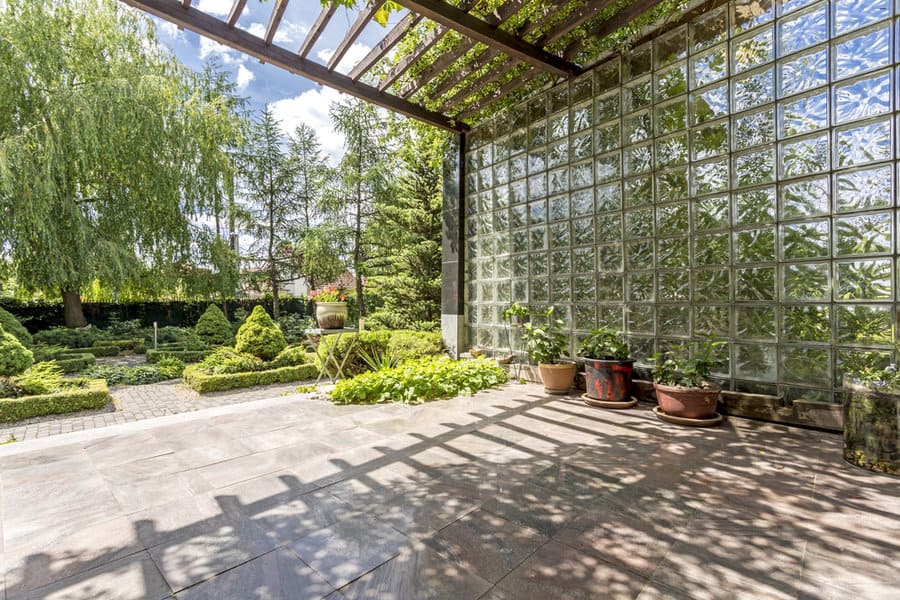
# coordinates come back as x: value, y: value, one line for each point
x: 709, y: 28
x: 756, y: 206
x: 518, y: 142
x: 518, y: 166
x: 582, y: 118
x: 537, y: 161
x: 584, y: 287
x: 637, y: 95
x: 754, y: 322
x: 674, y: 320
x: 753, y: 51
x: 755, y: 361
x: 805, y: 156
x: 485, y: 312
x: 559, y: 98
x: 504, y: 291
x: 852, y: 361
x: 866, y: 52
x: 518, y: 216
x: 640, y: 287
x: 672, y: 219
x: 609, y: 197
x: 674, y: 286
x: 584, y: 260
x: 539, y: 290
x: 710, y: 103
x: 537, y: 212
x: 807, y: 198
x: 608, y: 167
x: 610, y: 316
x: 711, y: 213
x: 853, y: 14
x: 803, y: 72
x: 583, y: 231
x: 753, y: 89
x: 710, y: 140
x: 807, y: 323
x: 671, y: 47
x: 804, y: 114
x: 757, y: 283
x: 709, y: 67
x: 582, y: 175
x: 672, y: 151
x: 863, y: 234
x: 607, y: 75
x: 610, y: 257
x: 559, y: 208
x: 638, y: 191
x: 501, y: 220
x: 609, y: 288
x: 638, y: 127
x: 560, y: 289
x: 711, y: 321
x: 558, y: 181
x: 558, y: 126
x: 520, y: 265
x: 582, y: 146
x: 755, y: 168
x: 673, y: 253
x: 485, y: 268
x: 609, y: 228
x: 671, y: 117
x: 639, y: 224
x: 537, y: 108
x: 607, y: 107
x: 802, y: 30
x: 671, y: 82
x: 585, y: 316
x: 711, y: 249
x: 863, y: 98
x: 710, y: 177
x: 754, y: 129
x: 864, y: 144
x: 537, y: 135
x: 537, y: 238
x: 557, y: 153
x: 582, y: 89
x: 789, y: 6
x: 501, y: 269
x: 520, y: 241
x: 560, y: 262
x: 641, y: 318
x: 672, y: 185
x: 537, y: 186
x: 864, y: 189
x: 639, y: 254
x: 539, y: 263
x: 607, y: 138
x: 863, y: 280
x: 754, y: 245
x: 638, y: 159
x: 865, y: 324
x: 501, y: 173
x: 712, y: 285
x: 805, y: 240
x: 582, y: 202
x: 560, y: 236
x: 501, y: 196
x: 806, y: 281
x: 638, y: 61
x: 752, y: 13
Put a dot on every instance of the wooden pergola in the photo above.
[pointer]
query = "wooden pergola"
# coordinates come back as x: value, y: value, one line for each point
x: 444, y: 88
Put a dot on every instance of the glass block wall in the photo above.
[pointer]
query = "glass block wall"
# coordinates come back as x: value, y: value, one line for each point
x: 734, y: 177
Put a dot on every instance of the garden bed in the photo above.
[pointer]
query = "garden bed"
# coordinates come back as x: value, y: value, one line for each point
x: 184, y: 355
x: 92, y: 394
x: 204, y: 382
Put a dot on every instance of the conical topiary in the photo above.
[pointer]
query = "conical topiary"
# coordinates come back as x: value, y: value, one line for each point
x: 14, y: 357
x: 11, y: 324
x: 213, y: 328
x: 260, y: 336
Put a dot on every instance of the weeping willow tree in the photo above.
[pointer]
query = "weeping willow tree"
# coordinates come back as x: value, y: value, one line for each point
x: 108, y: 147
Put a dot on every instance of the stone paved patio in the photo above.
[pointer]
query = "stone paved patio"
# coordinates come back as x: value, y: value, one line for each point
x: 509, y: 494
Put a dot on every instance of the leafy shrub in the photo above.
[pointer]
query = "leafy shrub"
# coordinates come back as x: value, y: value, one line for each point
x: 41, y: 378
x: 121, y: 375
x: 73, y: 362
x: 401, y: 344
x: 420, y: 380
x: 44, y: 352
x: 11, y: 324
x: 186, y: 356
x: 228, y: 360
x: 260, y: 336
x: 171, y: 334
x: 104, y: 349
x: 213, y: 328
x: 170, y: 367
x: 125, y: 329
x: 293, y: 356
x: 14, y: 357
x: 62, y: 336
x: 203, y: 382
x: 76, y: 394
x: 545, y: 344
x: 294, y: 327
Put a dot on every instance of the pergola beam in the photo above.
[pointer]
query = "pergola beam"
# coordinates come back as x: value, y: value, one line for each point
x: 431, y: 38
x: 243, y: 41
x: 385, y: 45
x: 236, y: 9
x: 575, y: 20
x: 275, y: 19
x: 611, y: 25
x: 461, y: 74
x: 365, y: 15
x: 313, y: 36
x: 507, y: 88
x: 490, y: 35
x: 496, y: 71
x: 436, y: 68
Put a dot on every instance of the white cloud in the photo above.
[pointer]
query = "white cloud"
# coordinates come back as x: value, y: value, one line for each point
x: 220, y: 8
x: 169, y: 29
x: 244, y: 77
x: 211, y: 49
x: 287, y: 32
x: 312, y: 107
x: 355, y: 54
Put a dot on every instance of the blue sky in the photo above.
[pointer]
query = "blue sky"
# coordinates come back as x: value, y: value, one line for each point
x: 291, y: 98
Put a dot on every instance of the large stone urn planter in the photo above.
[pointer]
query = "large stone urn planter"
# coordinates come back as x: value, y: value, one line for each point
x: 871, y: 428
x: 331, y: 315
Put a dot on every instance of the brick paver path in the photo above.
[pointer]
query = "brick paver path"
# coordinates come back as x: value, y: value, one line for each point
x: 134, y: 403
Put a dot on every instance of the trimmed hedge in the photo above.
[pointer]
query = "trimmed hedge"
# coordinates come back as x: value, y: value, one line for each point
x: 187, y: 356
x: 104, y: 350
x: 73, y: 362
x: 402, y: 344
x: 11, y: 324
x: 60, y: 336
x: 260, y: 336
x: 93, y: 395
x: 203, y: 382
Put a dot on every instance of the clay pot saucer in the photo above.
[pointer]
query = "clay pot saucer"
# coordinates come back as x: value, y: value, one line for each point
x: 715, y: 420
x: 609, y: 403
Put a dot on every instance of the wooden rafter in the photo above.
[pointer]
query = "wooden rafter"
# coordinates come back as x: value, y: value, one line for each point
x: 436, y: 68
x: 385, y: 45
x: 236, y: 9
x: 313, y: 36
x: 365, y: 15
x: 497, y: 70
x: 507, y: 88
x: 243, y: 41
x: 186, y: 3
x: 490, y: 35
x: 275, y: 19
x: 431, y: 38
x: 461, y: 74
x: 611, y: 25
x: 576, y: 19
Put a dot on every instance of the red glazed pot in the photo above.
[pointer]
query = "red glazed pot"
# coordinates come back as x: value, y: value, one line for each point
x: 688, y: 403
x: 608, y: 380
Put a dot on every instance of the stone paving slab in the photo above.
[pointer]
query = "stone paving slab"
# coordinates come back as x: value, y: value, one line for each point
x: 506, y: 494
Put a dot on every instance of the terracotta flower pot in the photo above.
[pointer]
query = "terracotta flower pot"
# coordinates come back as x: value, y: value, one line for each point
x: 689, y: 403
x: 608, y: 380
x: 331, y: 315
x: 557, y: 379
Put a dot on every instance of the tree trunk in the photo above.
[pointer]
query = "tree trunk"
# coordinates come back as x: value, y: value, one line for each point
x: 73, y: 314
x: 275, y: 300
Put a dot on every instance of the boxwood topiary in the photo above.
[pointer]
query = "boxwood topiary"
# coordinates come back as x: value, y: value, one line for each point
x: 260, y: 336
x: 11, y: 324
x: 213, y: 328
x: 14, y: 357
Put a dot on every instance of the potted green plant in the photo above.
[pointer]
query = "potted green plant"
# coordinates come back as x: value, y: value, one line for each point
x: 515, y: 316
x: 871, y: 407
x: 682, y: 382
x: 545, y: 346
x: 331, y: 307
x: 607, y: 368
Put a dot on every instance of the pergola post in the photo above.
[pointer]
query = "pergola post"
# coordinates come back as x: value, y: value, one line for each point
x: 453, y: 241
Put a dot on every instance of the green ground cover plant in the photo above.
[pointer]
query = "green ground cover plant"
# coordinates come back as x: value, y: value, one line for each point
x: 166, y: 368
x: 420, y: 380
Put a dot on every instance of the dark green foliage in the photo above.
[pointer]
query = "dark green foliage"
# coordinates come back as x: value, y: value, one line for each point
x: 121, y: 375
x: 400, y: 344
x: 9, y: 322
x: 604, y: 344
x: 104, y: 349
x: 213, y: 328
x: 14, y: 357
x: 293, y: 356
x: 228, y: 360
x: 260, y: 336
x: 204, y: 382
x: 680, y: 367
x: 42, y: 378
x: 294, y: 327
x: 187, y: 356
x: 420, y: 380
x: 545, y: 344
x: 174, y: 335
x: 79, y: 394
x: 73, y: 362
x: 170, y: 367
x: 62, y: 336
